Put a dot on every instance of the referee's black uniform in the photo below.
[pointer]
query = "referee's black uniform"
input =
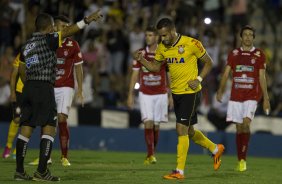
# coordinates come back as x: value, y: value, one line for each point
x: 39, y: 106
x: 38, y: 101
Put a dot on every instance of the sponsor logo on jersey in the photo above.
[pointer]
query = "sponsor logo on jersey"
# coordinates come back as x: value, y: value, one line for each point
x: 28, y: 48
x: 257, y: 53
x: 152, y: 80
x: 244, y: 68
x: 152, y: 83
x: 243, y: 86
x: 69, y: 44
x: 245, y: 54
x: 235, y: 52
x: 59, y: 73
x: 181, y: 49
x: 60, y: 61
x: 198, y: 45
x: 175, y: 60
x: 152, y: 77
x: 32, y: 60
x: 244, y: 79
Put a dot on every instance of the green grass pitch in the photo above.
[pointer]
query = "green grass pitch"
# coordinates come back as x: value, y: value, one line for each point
x: 102, y: 167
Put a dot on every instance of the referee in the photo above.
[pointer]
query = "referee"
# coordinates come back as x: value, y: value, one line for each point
x: 38, y: 106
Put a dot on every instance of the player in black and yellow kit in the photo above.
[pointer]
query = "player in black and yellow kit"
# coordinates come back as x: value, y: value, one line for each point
x: 181, y: 54
x: 16, y: 87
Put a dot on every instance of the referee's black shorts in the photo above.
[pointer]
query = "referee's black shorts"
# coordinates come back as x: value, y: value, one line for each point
x: 16, y: 106
x: 38, y: 105
x: 185, y: 107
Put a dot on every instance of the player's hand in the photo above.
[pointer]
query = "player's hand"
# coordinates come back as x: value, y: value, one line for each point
x: 266, y: 106
x: 80, y: 97
x: 193, y: 84
x: 97, y: 15
x: 138, y: 55
x: 130, y: 102
x: 13, y: 97
x: 219, y: 96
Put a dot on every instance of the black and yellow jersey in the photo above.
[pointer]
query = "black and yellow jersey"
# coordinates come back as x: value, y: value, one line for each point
x: 19, y: 85
x: 181, y: 59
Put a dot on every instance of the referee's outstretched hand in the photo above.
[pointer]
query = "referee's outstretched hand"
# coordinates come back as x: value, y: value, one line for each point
x: 97, y: 15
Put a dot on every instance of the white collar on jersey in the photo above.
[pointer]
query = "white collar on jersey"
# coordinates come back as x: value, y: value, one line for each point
x: 148, y: 50
x: 176, y: 41
x: 252, y: 49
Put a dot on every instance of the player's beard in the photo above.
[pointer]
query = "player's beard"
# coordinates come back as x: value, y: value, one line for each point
x: 166, y: 42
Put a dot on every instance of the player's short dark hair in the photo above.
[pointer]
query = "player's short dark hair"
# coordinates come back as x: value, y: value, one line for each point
x: 151, y: 28
x: 248, y: 27
x: 62, y: 18
x: 43, y: 21
x: 165, y: 22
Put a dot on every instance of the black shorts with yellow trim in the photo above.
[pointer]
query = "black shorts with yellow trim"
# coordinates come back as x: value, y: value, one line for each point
x: 16, y: 106
x: 185, y: 107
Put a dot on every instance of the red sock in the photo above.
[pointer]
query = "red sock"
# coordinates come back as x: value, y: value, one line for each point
x: 156, y: 137
x: 64, y: 136
x: 245, y: 137
x: 149, y: 138
x: 239, y: 145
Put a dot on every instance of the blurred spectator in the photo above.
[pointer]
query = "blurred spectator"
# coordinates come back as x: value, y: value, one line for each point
x: 92, y: 6
x: 87, y: 88
x: 214, y: 10
x: 33, y: 11
x: 277, y: 92
x: 6, y: 64
x: 239, y: 17
x: 116, y: 44
x: 4, y: 92
x: 136, y: 41
x: 267, y: 51
x: 66, y: 8
x: 7, y: 16
x: 17, y: 44
x: 218, y: 111
x: 116, y: 11
x: 213, y: 49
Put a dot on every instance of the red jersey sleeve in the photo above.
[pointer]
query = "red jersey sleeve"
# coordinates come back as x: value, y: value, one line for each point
x: 230, y: 58
x: 262, y: 59
x: 77, y: 57
x: 136, y: 65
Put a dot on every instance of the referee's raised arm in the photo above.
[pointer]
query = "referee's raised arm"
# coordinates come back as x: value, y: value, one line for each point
x: 72, y: 29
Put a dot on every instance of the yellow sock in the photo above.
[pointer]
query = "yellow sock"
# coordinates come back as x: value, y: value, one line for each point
x: 202, y: 140
x: 182, y: 150
x: 15, y: 151
x: 13, y: 130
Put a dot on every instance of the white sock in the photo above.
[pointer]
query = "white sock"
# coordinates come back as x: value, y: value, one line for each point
x: 180, y: 171
x: 215, y: 150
